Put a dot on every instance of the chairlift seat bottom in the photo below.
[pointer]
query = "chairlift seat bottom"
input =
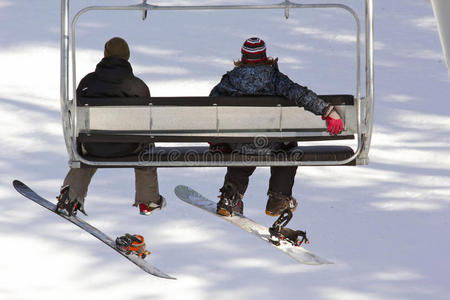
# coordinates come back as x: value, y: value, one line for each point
x: 202, y: 155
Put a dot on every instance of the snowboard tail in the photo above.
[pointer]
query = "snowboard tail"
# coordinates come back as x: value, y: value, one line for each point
x: 141, y: 263
x: 300, y: 254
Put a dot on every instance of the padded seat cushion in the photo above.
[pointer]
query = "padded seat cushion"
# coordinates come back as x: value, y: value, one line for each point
x: 199, y: 154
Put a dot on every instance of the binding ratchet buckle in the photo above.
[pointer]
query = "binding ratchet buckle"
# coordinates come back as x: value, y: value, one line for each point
x: 66, y: 205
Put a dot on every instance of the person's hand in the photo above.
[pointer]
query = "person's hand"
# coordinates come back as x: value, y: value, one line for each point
x: 334, y: 123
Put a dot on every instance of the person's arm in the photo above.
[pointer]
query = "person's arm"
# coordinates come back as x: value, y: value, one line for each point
x: 224, y: 88
x: 216, y: 91
x: 147, y: 91
x: 141, y: 89
x: 82, y: 88
x: 306, y: 98
x: 300, y: 95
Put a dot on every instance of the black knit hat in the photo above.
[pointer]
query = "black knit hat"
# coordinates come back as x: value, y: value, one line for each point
x: 254, y: 50
x: 117, y: 47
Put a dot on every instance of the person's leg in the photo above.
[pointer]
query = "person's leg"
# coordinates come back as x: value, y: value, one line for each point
x: 280, y: 191
x: 239, y: 176
x: 282, y: 180
x: 233, y: 189
x: 147, y: 189
x: 78, y: 180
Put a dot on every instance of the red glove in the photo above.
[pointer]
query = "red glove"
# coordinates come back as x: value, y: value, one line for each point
x: 334, y: 123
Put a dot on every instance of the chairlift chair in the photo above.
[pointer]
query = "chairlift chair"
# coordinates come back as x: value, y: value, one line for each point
x: 213, y: 119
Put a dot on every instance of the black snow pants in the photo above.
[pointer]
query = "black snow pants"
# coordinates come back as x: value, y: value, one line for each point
x: 281, y: 178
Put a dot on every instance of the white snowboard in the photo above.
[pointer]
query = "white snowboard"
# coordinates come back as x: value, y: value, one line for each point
x: 301, y: 255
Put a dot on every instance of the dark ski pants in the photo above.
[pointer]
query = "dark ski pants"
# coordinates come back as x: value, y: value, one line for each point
x: 146, y: 182
x: 281, y: 178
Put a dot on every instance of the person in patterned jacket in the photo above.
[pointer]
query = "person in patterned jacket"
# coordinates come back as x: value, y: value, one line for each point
x: 258, y: 75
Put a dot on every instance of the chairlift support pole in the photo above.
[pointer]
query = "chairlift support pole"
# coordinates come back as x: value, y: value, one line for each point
x: 64, y: 77
x: 144, y: 12
x: 363, y: 142
x: 363, y: 158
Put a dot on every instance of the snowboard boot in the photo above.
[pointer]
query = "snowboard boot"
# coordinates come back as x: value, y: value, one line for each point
x: 230, y: 200
x: 146, y: 210
x: 66, y: 205
x: 278, y: 202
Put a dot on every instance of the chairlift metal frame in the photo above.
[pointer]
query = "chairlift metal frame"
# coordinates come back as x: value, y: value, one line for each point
x: 364, y: 105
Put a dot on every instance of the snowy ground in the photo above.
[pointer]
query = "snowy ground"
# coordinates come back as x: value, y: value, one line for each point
x: 386, y: 225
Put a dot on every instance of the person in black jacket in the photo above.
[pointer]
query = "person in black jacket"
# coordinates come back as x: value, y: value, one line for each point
x: 258, y: 75
x: 113, y: 77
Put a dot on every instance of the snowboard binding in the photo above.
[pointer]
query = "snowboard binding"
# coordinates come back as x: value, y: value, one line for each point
x: 230, y: 200
x: 279, y: 231
x: 67, y: 205
x: 132, y: 244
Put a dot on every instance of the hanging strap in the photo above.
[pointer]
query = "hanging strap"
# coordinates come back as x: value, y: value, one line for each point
x: 279, y: 231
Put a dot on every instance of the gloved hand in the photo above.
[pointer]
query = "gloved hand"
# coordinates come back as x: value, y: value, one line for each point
x: 334, y: 123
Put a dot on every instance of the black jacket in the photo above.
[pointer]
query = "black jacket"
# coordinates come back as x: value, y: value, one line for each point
x: 113, y: 77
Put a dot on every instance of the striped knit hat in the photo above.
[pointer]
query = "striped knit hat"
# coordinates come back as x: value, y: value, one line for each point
x: 254, y: 50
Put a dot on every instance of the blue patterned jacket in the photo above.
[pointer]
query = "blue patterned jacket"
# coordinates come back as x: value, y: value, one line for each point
x: 266, y: 80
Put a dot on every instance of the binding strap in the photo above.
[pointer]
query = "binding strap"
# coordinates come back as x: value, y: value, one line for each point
x: 132, y: 244
x: 279, y: 231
